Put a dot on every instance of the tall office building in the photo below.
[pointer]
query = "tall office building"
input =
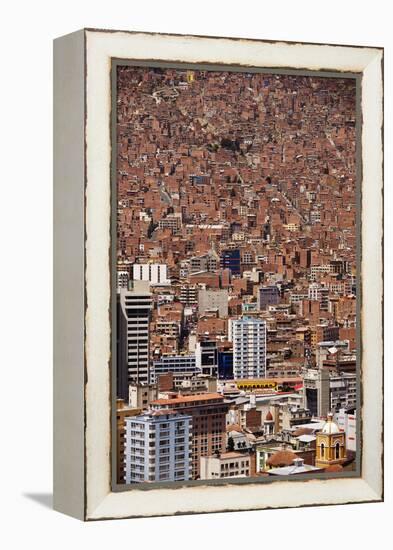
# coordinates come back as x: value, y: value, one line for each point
x: 316, y: 391
x: 158, y: 447
x: 249, y: 348
x: 133, y: 320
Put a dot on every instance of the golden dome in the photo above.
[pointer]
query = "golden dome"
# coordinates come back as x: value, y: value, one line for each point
x: 330, y: 427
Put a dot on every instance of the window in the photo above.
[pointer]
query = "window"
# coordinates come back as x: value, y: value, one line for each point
x: 322, y: 450
x: 337, y: 450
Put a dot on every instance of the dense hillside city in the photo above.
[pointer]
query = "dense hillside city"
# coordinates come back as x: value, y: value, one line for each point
x: 236, y: 274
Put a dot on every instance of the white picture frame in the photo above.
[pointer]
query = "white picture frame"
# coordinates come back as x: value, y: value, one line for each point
x: 82, y: 244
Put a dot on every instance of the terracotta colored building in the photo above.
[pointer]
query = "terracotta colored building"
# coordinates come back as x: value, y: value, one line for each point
x: 208, y: 413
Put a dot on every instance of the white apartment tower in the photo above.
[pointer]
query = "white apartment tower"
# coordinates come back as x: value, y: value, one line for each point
x: 249, y: 348
x: 134, y: 306
x: 158, y: 447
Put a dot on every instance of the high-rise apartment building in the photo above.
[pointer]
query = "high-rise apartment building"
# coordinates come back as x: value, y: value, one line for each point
x: 249, y: 348
x: 158, y: 447
x: 208, y: 412
x: 133, y: 320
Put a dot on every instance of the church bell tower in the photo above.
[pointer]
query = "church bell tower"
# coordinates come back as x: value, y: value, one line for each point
x: 330, y: 445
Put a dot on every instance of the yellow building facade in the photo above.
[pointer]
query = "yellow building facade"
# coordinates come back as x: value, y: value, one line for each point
x: 330, y: 445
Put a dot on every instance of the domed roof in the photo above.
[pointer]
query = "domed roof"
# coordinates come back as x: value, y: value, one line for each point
x: 330, y: 427
x: 269, y: 417
x: 282, y: 458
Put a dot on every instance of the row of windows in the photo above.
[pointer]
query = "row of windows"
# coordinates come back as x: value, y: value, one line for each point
x: 336, y: 450
x: 228, y: 465
x: 234, y: 474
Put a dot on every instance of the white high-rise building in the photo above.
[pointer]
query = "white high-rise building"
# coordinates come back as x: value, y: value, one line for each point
x: 249, y: 348
x: 156, y: 274
x: 158, y: 447
x: 133, y: 320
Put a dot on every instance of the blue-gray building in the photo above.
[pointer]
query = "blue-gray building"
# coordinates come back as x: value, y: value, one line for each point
x: 158, y: 447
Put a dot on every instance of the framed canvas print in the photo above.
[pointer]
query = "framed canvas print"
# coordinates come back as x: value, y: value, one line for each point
x: 218, y: 274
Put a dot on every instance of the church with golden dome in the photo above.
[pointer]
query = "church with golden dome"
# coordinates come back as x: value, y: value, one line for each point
x: 330, y: 445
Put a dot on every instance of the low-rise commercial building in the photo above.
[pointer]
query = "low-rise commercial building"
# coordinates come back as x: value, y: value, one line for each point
x: 228, y: 464
x: 182, y: 367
